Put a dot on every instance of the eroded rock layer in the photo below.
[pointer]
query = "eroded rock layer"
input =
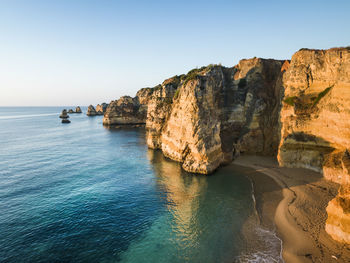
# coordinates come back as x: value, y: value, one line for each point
x: 315, y: 124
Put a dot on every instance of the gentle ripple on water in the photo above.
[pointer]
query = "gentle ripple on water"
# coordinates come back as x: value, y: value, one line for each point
x: 83, y: 193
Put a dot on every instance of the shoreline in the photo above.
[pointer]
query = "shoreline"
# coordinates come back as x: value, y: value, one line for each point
x: 295, y: 205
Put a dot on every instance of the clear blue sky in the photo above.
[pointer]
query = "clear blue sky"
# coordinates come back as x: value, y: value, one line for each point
x: 88, y: 52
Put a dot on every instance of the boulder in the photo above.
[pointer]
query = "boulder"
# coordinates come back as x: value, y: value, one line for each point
x: 77, y: 110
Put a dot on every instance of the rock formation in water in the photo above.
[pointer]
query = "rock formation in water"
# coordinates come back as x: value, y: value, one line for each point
x: 296, y: 110
x: 78, y: 110
x: 64, y: 116
x: 128, y: 110
x: 315, y: 125
x: 91, y: 111
x: 71, y: 111
x: 101, y: 109
x: 65, y: 121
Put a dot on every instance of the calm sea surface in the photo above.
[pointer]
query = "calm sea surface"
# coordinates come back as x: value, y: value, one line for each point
x: 79, y: 192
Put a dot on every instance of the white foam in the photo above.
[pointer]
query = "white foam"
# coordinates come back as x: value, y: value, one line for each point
x: 26, y: 116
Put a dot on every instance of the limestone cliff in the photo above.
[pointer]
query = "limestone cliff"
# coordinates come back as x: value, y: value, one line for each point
x: 315, y: 124
x: 128, y: 110
x: 297, y: 110
x: 215, y: 113
x: 205, y: 117
x: 159, y: 107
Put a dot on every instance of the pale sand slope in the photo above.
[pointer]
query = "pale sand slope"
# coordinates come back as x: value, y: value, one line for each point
x: 301, y: 214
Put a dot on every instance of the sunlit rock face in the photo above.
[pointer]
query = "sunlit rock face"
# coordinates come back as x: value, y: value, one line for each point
x: 218, y: 112
x: 298, y: 110
x: 315, y: 124
x: 101, y: 108
x: 128, y: 110
x: 338, y: 210
x: 91, y: 111
x: 159, y: 108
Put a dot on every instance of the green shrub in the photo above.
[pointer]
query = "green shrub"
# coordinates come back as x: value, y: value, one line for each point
x: 192, y: 74
x: 177, y: 92
x: 321, y: 95
x: 290, y: 100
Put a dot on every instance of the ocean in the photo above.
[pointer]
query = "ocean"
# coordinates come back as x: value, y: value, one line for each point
x: 81, y: 192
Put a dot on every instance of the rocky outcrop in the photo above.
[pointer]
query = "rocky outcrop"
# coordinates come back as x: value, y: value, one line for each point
x: 64, y: 114
x: 217, y: 112
x: 91, y: 111
x: 159, y: 108
x: 71, y: 111
x: 128, y: 110
x: 78, y: 110
x: 315, y: 124
x: 338, y: 210
x: 207, y: 116
x: 101, y: 109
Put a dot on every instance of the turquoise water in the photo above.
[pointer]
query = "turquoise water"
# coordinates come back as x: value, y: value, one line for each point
x: 79, y: 192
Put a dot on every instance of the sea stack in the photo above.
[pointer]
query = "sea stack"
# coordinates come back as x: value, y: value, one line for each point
x: 70, y: 111
x: 101, y: 108
x: 64, y: 116
x: 91, y: 111
x: 77, y: 110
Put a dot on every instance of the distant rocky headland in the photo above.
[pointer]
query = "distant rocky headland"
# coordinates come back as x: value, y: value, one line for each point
x: 100, y: 109
x: 296, y: 110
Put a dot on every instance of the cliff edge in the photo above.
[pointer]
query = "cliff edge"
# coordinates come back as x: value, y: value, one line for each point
x: 315, y: 125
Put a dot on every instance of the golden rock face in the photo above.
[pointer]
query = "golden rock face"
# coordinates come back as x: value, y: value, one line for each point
x: 298, y: 110
x: 216, y: 112
x: 315, y: 125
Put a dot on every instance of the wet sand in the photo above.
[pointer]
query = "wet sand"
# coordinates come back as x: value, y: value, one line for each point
x: 294, y: 201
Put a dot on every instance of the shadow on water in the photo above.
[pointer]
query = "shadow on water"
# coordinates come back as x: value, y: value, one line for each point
x: 202, y: 219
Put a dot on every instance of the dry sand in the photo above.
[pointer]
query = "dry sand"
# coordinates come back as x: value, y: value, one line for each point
x: 296, y: 204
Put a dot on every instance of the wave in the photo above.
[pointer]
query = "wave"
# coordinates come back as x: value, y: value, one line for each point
x: 26, y: 116
x: 264, y: 244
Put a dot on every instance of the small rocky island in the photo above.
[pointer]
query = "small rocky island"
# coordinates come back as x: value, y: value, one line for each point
x: 78, y: 110
x: 64, y: 116
x: 100, y: 109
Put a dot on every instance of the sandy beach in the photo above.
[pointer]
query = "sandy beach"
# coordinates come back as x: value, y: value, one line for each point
x: 294, y: 202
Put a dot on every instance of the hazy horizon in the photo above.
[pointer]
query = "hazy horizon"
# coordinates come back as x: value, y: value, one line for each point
x: 59, y: 53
